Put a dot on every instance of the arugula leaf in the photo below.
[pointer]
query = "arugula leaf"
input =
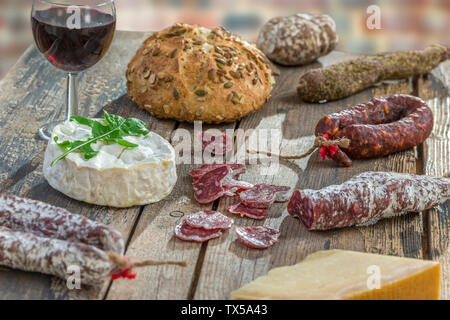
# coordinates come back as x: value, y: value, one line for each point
x: 114, y: 131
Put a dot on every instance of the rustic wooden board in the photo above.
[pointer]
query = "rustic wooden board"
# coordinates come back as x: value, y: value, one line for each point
x: 228, y: 264
x: 435, y: 91
x: 34, y: 93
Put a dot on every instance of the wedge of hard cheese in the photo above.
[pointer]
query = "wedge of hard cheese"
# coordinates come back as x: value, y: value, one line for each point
x: 339, y: 274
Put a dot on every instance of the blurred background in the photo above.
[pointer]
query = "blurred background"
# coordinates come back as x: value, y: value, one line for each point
x: 405, y: 24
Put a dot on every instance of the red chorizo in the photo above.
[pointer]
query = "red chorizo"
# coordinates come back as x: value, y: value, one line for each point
x: 379, y: 127
x: 366, y: 198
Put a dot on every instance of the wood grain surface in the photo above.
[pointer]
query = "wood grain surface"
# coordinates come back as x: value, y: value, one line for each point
x: 33, y: 93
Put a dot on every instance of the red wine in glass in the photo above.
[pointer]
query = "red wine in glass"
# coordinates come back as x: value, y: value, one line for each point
x: 72, y: 38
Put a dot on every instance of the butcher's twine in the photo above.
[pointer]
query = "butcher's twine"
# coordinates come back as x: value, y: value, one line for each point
x: 125, y: 265
x: 327, y: 148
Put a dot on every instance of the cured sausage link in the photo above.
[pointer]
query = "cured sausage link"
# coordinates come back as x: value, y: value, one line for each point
x: 28, y: 252
x: 343, y: 79
x: 379, y: 127
x: 366, y: 198
x: 45, y: 220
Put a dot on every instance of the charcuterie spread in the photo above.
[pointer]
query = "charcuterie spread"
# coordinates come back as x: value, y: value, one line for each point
x: 256, y: 200
x: 35, y: 236
x: 246, y: 211
x: 212, y: 181
x: 343, y: 275
x: 202, y: 226
x: 366, y: 198
x: 297, y: 39
x: 259, y: 237
x: 346, y: 78
x: 191, y: 73
x: 134, y: 170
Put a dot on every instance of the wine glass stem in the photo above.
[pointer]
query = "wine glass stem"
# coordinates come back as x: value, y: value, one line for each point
x: 72, y: 95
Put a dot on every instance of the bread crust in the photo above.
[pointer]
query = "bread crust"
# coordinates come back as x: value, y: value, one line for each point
x: 190, y: 73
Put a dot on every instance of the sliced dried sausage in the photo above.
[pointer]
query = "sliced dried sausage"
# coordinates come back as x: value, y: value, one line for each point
x: 209, y: 186
x: 259, y: 237
x: 216, y: 144
x: 236, y: 168
x: 244, y: 211
x: 209, y: 220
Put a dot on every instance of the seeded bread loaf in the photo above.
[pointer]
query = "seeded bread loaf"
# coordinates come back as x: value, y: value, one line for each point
x: 190, y: 73
x: 298, y: 39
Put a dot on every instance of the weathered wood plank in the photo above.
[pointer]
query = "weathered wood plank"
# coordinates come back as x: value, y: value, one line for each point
x: 228, y: 264
x: 32, y: 94
x: 154, y: 238
x: 435, y: 91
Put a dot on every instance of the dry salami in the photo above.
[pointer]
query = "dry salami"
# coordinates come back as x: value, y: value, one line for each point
x: 379, y: 127
x: 209, y: 186
x: 346, y: 78
x: 236, y: 168
x: 259, y: 237
x: 216, y: 144
x: 209, y: 220
x: 244, y: 211
x: 262, y: 195
x: 184, y: 231
x: 234, y: 187
x: 45, y: 220
x: 28, y: 252
x: 366, y: 198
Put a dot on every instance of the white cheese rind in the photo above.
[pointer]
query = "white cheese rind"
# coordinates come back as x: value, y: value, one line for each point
x: 117, y: 176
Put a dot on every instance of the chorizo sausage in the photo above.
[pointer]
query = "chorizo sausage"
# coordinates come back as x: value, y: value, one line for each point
x: 379, y: 127
x: 45, y: 220
x: 366, y: 198
x: 346, y: 78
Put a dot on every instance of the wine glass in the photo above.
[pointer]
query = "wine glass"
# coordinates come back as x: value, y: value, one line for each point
x: 73, y: 35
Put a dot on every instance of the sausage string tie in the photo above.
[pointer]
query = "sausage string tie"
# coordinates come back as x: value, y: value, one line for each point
x: 126, y: 266
x: 327, y: 148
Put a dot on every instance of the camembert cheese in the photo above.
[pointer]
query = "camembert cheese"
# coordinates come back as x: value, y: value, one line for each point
x: 339, y: 274
x: 117, y: 176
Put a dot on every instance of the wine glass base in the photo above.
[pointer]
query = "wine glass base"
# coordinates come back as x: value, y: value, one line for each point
x: 45, y: 132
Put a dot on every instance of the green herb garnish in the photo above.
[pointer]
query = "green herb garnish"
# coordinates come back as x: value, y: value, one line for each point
x: 113, y: 132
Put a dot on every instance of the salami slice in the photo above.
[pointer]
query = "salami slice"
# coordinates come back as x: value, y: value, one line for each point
x: 209, y: 187
x: 216, y: 144
x: 366, y: 198
x: 244, y: 211
x: 184, y: 231
x: 236, y: 168
x: 209, y: 220
x: 233, y: 186
x: 259, y: 237
x: 262, y: 195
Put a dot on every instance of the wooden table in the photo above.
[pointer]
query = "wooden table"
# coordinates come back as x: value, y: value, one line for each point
x: 33, y: 93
